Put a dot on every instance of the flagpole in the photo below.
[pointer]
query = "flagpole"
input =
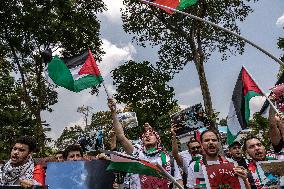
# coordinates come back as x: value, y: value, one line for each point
x: 107, y: 92
x: 270, y: 102
x: 217, y: 26
x: 170, y: 177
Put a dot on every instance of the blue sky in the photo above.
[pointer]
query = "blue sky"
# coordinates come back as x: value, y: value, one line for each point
x: 264, y: 26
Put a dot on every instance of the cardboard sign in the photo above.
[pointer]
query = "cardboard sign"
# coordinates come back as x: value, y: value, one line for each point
x: 79, y: 174
x: 128, y: 119
x: 222, y: 176
x: 190, y: 119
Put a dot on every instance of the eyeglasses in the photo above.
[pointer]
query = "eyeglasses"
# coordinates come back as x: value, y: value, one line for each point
x: 196, y: 148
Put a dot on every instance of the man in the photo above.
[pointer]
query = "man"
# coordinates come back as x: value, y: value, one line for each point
x: 276, y: 131
x: 183, y: 160
x: 211, y: 146
x: 256, y: 151
x: 20, y: 167
x: 59, y: 156
x: 235, y: 150
x: 150, y: 150
x: 73, y: 153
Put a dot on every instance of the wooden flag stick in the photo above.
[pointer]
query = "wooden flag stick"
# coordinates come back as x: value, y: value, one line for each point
x: 270, y: 102
x: 107, y: 92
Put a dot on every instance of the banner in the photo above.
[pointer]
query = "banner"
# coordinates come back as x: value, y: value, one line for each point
x: 222, y: 176
x: 128, y: 119
x: 190, y: 119
x: 79, y: 174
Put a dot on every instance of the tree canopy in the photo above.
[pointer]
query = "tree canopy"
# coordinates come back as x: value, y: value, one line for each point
x: 30, y: 27
x: 182, y: 40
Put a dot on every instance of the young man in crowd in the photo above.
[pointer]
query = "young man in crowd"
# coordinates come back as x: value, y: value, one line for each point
x: 150, y: 150
x: 236, y: 154
x: 59, y: 156
x: 19, y: 170
x: 256, y: 151
x: 211, y: 146
x: 183, y: 161
x: 73, y: 153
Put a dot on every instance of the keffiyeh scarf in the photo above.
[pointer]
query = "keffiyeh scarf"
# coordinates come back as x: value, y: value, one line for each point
x: 10, y: 174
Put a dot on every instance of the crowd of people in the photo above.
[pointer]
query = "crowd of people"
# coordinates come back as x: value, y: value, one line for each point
x: 187, y: 168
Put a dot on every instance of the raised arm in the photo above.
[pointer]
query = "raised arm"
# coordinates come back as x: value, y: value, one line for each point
x: 274, y: 131
x: 126, y: 144
x: 175, y: 153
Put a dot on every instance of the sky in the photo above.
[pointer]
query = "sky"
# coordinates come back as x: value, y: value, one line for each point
x: 264, y: 26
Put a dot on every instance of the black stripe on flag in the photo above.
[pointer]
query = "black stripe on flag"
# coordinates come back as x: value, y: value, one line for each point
x: 239, y: 101
x: 75, y: 61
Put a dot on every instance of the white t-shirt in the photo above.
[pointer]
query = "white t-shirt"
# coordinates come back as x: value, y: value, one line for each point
x: 135, y: 179
x: 186, y: 158
x: 193, y: 176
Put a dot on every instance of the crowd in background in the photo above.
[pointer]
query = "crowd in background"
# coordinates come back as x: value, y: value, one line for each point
x: 185, y: 167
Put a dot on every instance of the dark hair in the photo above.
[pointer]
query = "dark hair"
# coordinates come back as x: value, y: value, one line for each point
x: 27, y: 140
x: 192, y: 140
x: 209, y: 130
x: 249, y: 137
x: 59, y: 152
x: 71, y: 148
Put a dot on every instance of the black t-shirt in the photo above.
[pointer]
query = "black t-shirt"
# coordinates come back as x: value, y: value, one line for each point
x: 279, y: 146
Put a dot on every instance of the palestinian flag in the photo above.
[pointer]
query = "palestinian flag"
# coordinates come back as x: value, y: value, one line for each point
x: 175, y: 4
x: 76, y: 73
x: 124, y: 163
x: 239, y: 112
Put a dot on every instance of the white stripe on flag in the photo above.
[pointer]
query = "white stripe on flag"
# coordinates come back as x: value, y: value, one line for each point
x: 233, y: 122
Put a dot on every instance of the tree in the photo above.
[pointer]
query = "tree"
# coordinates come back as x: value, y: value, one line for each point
x: 15, y: 119
x: 85, y: 110
x: 144, y: 89
x: 182, y: 39
x: 30, y: 27
x: 260, y: 127
x: 69, y: 136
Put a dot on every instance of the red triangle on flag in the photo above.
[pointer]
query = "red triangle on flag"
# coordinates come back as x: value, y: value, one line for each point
x: 90, y: 66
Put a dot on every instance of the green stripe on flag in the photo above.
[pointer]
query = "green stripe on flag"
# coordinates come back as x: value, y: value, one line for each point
x: 60, y: 74
x: 230, y: 137
x: 86, y: 82
x: 186, y: 3
x: 134, y: 167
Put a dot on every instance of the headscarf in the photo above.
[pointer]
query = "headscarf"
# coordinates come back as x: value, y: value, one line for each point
x: 10, y: 174
x: 152, y: 151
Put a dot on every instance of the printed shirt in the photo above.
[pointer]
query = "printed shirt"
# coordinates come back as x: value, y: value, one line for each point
x: 261, y: 180
x: 195, y: 177
x: 148, y: 182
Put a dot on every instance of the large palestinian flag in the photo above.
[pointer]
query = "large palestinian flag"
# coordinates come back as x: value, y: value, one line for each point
x: 175, y: 4
x: 75, y: 73
x: 239, y: 112
x: 124, y: 163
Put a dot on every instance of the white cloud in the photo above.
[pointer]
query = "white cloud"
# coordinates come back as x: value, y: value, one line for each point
x: 191, y: 92
x: 80, y: 122
x: 280, y: 21
x: 113, y: 13
x: 183, y: 106
x: 114, y: 56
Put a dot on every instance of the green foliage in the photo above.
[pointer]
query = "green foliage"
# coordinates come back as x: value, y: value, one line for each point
x: 260, y: 127
x: 69, y: 136
x: 145, y: 90
x: 182, y: 39
x: 15, y: 119
x: 30, y: 27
